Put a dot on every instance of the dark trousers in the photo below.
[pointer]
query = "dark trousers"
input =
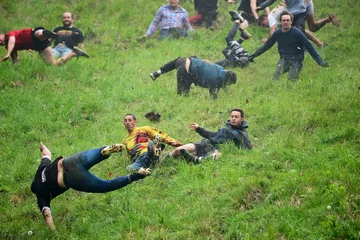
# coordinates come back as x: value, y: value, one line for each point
x: 230, y: 37
x: 284, y: 66
x: 184, y: 79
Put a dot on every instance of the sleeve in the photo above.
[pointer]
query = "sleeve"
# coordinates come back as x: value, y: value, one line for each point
x: 205, y: 133
x: 186, y: 21
x: 43, y: 202
x: 266, y: 4
x: 267, y: 45
x: 80, y: 37
x: 314, y: 54
x: 154, y: 24
x: 165, y: 138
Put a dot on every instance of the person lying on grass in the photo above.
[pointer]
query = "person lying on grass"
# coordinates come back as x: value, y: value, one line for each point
x: 233, y: 131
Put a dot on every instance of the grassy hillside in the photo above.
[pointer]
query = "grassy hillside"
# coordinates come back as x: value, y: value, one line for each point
x: 301, y: 180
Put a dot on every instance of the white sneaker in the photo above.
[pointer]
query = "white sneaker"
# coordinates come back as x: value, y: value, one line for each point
x: 112, y: 149
x: 145, y: 171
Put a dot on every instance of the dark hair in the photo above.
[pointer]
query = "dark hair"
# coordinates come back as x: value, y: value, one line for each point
x: 230, y: 77
x: 286, y: 13
x: 130, y: 114
x: 261, y: 18
x: 242, y: 114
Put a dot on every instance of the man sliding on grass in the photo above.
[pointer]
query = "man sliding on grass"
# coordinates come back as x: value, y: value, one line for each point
x: 31, y: 39
x: 54, y: 178
x: 233, y: 131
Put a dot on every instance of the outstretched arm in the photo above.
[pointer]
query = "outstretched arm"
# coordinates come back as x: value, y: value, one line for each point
x: 48, y: 218
x: 10, y: 47
x: 201, y: 131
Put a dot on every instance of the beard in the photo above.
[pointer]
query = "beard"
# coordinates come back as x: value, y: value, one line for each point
x: 67, y: 24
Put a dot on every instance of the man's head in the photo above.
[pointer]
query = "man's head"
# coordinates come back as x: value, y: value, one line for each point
x: 236, y: 117
x: 230, y: 78
x: 263, y: 20
x: 286, y: 19
x: 130, y: 122
x: 2, y: 39
x: 67, y: 19
x: 174, y: 4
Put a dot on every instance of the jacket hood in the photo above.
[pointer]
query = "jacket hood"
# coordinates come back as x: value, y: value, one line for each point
x: 243, y: 125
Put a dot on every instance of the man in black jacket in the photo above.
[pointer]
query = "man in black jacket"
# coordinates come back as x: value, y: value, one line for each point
x: 233, y: 131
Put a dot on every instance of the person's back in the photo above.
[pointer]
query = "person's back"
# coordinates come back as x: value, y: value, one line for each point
x: 208, y: 74
x: 23, y: 40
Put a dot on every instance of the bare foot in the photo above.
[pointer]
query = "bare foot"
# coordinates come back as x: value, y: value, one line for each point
x: 45, y: 152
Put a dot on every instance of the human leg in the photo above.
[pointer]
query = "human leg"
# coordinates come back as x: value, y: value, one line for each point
x: 232, y: 33
x: 314, y: 39
x: 190, y: 147
x: 184, y: 78
x: 210, y: 16
x: 294, y: 70
x: 317, y: 25
x: 281, y: 68
x: 299, y: 22
x: 196, y: 20
x: 224, y: 63
x: 77, y: 175
x: 141, y: 162
x: 164, y: 69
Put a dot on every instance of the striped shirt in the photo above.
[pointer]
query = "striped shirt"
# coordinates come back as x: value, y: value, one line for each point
x: 170, y: 18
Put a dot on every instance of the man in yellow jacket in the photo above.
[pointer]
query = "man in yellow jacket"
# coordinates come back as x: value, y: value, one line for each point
x: 143, y: 143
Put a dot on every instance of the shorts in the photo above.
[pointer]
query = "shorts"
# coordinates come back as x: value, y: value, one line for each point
x: 39, y: 45
x: 204, y: 147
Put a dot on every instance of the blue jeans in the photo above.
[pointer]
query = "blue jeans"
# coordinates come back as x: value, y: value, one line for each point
x: 78, y: 177
x: 61, y: 51
x: 172, y: 33
x: 142, y: 161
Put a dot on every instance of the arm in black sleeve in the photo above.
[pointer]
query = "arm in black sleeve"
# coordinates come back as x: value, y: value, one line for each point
x: 314, y: 54
x: 205, y: 133
x: 267, y: 45
x: 266, y: 4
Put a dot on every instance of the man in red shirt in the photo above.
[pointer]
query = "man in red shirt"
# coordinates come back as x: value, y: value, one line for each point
x: 29, y: 39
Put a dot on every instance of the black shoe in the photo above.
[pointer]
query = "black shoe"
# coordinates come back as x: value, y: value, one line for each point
x: 236, y: 16
x: 189, y: 157
x: 154, y: 75
x: 79, y: 52
x: 245, y: 34
x: 49, y: 34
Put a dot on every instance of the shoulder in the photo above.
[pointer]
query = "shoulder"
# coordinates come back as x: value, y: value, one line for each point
x: 76, y: 29
x: 58, y: 28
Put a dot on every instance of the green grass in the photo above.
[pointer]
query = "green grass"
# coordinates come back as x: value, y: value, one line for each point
x: 301, y: 180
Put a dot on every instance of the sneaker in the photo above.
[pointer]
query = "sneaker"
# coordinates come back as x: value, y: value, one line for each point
x: 144, y: 171
x: 158, y: 145
x: 112, y: 149
x: 236, y: 16
x: 335, y: 21
x: 154, y: 75
x: 79, y: 52
x: 245, y: 34
x: 189, y: 157
x: 49, y: 34
x: 154, y: 150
